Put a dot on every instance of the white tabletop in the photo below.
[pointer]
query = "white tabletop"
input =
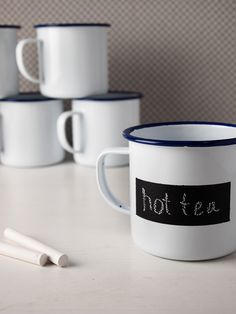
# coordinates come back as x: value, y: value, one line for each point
x: 61, y: 206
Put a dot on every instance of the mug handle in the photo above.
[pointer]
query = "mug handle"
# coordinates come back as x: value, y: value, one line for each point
x: 102, y: 181
x: 61, y: 130
x: 20, y: 60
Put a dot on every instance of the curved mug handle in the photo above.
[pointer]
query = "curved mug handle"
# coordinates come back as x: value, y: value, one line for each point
x: 20, y: 60
x: 102, y: 181
x: 61, y: 130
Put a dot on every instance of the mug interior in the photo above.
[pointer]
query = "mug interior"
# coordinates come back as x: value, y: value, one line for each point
x: 183, y: 134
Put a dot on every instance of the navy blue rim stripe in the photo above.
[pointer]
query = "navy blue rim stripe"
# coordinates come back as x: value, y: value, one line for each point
x: 127, y: 95
x: 73, y: 25
x: 208, y: 143
x: 35, y: 97
x: 9, y: 26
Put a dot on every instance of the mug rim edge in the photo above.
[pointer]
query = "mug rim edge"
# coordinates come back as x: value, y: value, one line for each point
x: 72, y: 25
x: 9, y: 26
x: 14, y: 98
x: 172, y: 143
x: 127, y: 95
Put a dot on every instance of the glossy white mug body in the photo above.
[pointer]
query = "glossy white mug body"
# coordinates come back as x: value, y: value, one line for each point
x: 196, y: 163
x: 97, y: 123
x: 8, y: 72
x: 28, y: 131
x: 72, y: 59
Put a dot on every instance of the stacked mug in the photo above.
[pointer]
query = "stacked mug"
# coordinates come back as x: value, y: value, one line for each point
x: 73, y: 65
x: 28, y: 135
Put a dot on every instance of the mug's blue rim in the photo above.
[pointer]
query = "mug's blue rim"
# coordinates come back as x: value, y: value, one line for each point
x: 72, y: 25
x: 121, y: 95
x: 16, y: 98
x: 205, y: 143
x: 9, y: 26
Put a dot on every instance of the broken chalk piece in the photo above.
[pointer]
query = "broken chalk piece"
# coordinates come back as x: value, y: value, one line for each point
x: 23, y: 254
x: 54, y: 256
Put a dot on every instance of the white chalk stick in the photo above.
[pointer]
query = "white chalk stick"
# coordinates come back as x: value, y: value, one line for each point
x: 55, y: 256
x: 23, y: 254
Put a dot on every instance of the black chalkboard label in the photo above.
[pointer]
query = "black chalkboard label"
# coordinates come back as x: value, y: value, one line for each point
x: 189, y: 205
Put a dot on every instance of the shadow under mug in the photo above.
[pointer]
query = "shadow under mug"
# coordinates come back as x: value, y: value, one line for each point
x: 183, y: 188
x: 28, y: 130
x: 8, y: 73
x: 72, y: 59
x: 97, y: 123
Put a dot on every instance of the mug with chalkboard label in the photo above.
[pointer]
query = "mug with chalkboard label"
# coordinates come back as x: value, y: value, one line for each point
x: 183, y: 188
x: 72, y: 59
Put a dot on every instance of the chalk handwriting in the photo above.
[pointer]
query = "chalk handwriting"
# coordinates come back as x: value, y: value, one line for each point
x: 197, y: 207
x: 212, y: 208
x: 184, y: 204
x: 144, y: 200
x: 161, y: 205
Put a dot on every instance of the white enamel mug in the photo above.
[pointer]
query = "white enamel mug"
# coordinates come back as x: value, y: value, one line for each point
x: 72, y: 59
x: 97, y: 123
x: 8, y: 68
x: 183, y: 188
x: 28, y: 130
